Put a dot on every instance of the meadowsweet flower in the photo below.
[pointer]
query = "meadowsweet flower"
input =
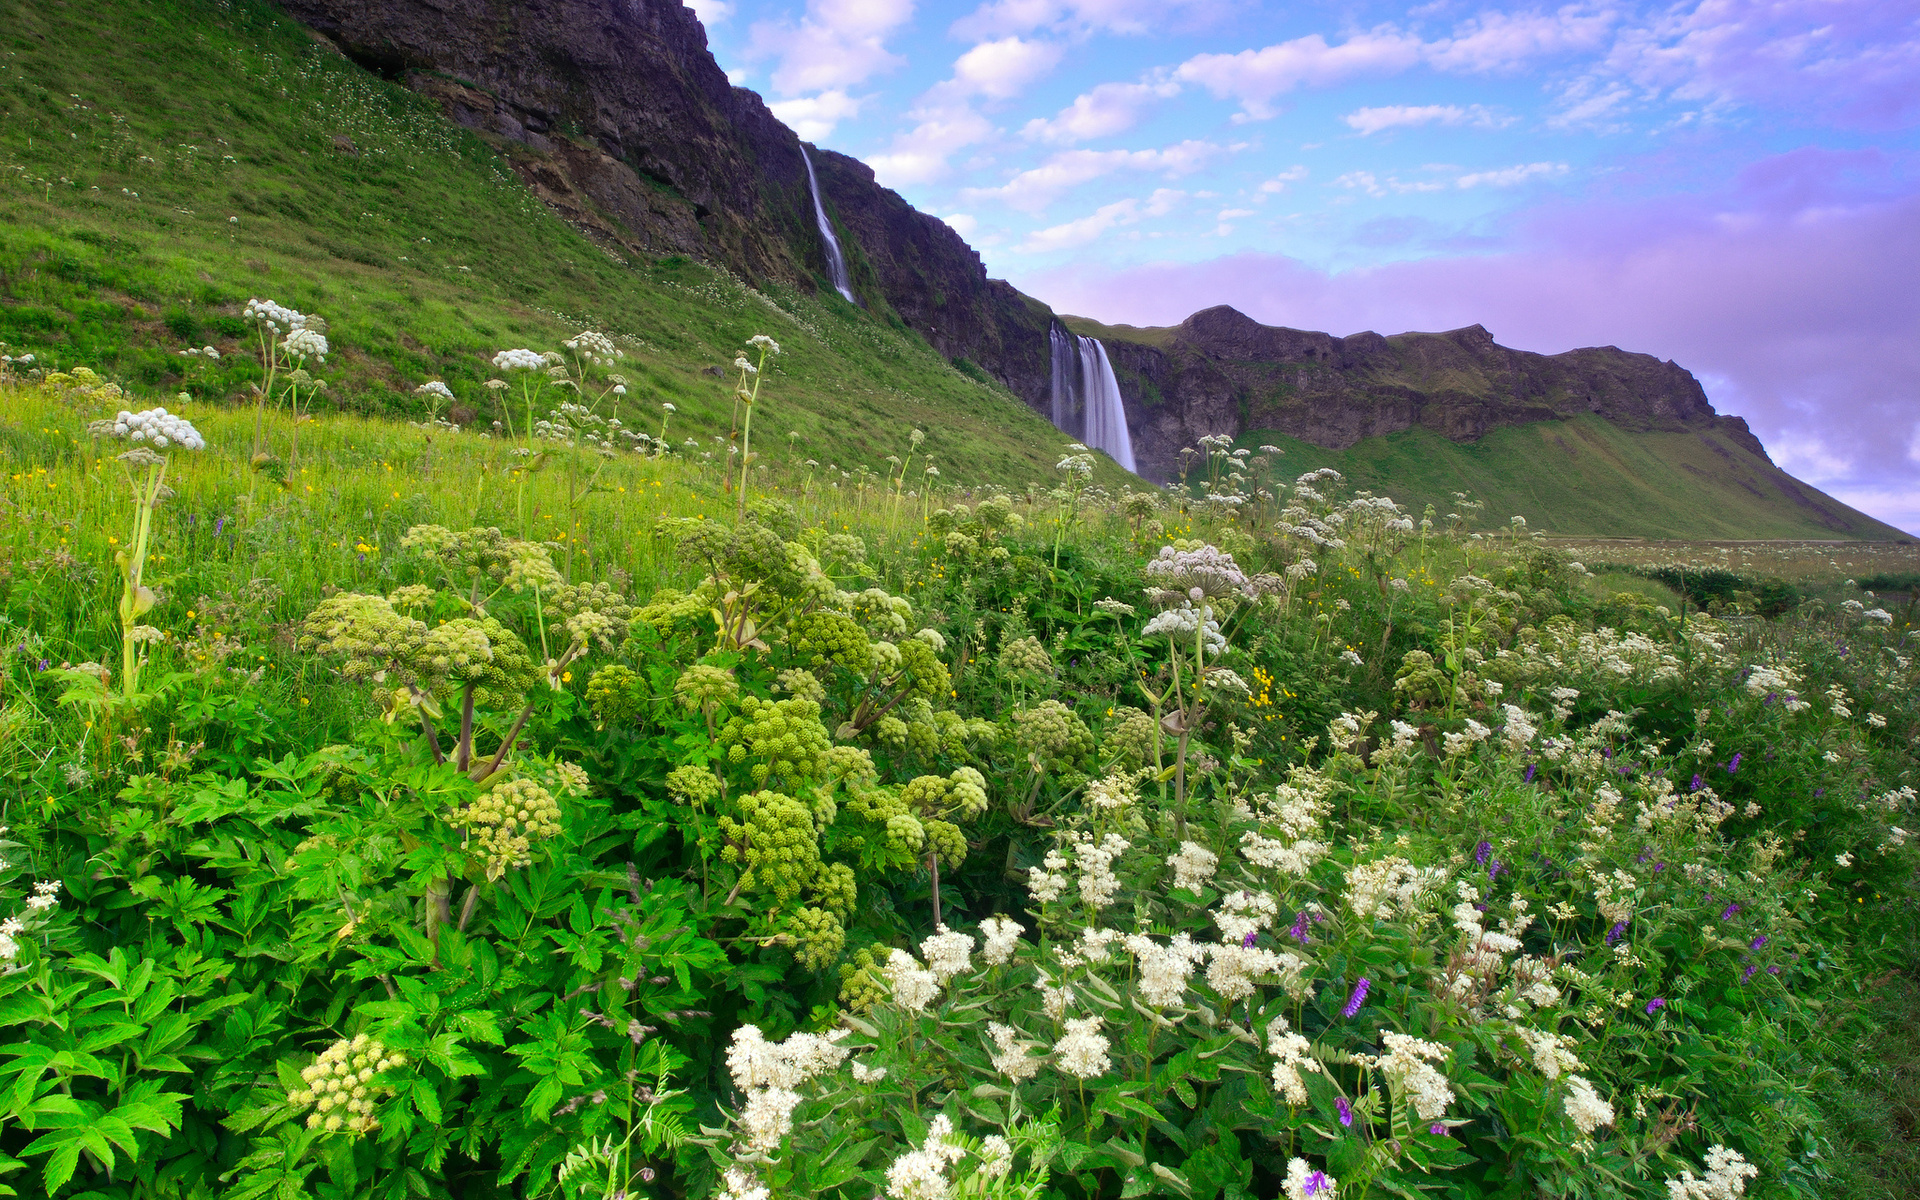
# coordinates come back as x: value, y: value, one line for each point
x: 913, y: 988
x: 1193, y: 865
x: 739, y: 1184
x: 1292, y: 1055
x: 1406, y: 1066
x: 1165, y: 970
x: 1726, y: 1178
x: 1242, y: 913
x: 1010, y: 1054
x: 1550, y: 1053
x: 922, y: 1174
x: 1585, y: 1107
x: 1233, y: 967
x: 1002, y: 935
x: 947, y: 953
x: 1082, y: 1051
x: 767, y: 1117
x: 1305, y: 1183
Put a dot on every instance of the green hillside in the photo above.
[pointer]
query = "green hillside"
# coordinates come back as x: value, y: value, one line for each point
x: 219, y: 152
x: 1589, y: 476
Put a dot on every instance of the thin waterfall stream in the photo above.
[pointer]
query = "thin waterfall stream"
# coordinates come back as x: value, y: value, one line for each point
x: 836, y: 261
x: 1086, y: 396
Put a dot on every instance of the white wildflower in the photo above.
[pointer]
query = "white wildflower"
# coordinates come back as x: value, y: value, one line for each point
x: 1406, y: 1066
x: 1585, y: 1107
x: 947, y: 953
x: 1305, y: 1183
x: 1082, y: 1051
x: 1010, y: 1056
x: 1002, y: 936
x: 1193, y: 865
x: 1726, y: 1178
x: 913, y: 988
x: 518, y: 360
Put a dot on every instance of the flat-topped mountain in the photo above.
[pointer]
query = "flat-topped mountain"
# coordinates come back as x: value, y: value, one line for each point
x: 1222, y: 371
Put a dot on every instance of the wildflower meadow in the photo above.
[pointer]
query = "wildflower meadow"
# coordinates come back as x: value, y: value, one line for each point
x: 558, y: 796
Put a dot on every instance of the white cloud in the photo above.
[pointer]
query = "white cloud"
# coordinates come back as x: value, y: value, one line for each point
x: 1361, y: 181
x: 1256, y: 77
x: 1228, y: 214
x: 1131, y: 17
x: 1395, y: 116
x: 1495, y: 41
x: 962, y: 224
x: 1108, y: 216
x: 920, y: 154
x: 1004, y: 68
x: 837, y: 43
x: 711, y: 12
x: 1108, y: 109
x: 1032, y: 190
x: 1511, y: 176
x: 814, y: 117
x: 1278, y: 183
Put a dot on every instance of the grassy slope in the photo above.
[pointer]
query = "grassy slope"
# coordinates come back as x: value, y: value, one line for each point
x: 132, y: 133
x: 1585, y: 476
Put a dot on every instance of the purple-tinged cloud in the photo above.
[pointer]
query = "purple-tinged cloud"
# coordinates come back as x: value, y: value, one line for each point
x: 1791, y: 294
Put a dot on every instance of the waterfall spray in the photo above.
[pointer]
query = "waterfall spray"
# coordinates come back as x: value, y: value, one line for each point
x: 1086, y: 396
x: 836, y: 261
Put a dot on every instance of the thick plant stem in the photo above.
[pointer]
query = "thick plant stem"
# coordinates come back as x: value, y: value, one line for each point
x: 135, y: 599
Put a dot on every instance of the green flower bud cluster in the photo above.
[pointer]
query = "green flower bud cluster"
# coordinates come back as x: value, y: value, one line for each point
x: 848, y: 764
x: 922, y: 664
x: 411, y: 596
x: 614, y: 695
x: 961, y: 545
x: 530, y: 565
x: 1052, y: 733
x: 823, y: 637
x: 366, y: 631
x: 344, y: 1084
x: 506, y: 820
x: 776, y: 514
x: 1421, y: 678
x: 567, y: 781
x: 773, y: 840
x: 883, y: 613
x: 506, y: 675
x: 891, y: 731
x: 464, y: 555
x: 671, y: 609
x: 692, y: 785
x: 905, y: 835
x: 801, y: 683
x: 1026, y: 656
x: 572, y: 599
x: 836, y: 890
x: 946, y: 840
x: 784, y: 737
x: 701, y: 687
x: 863, y: 981
x: 750, y: 554
x: 844, y: 549
x: 1130, y: 737
x: 821, y: 938
x: 459, y: 650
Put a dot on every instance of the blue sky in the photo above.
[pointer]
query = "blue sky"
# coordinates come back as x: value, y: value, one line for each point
x: 1731, y: 183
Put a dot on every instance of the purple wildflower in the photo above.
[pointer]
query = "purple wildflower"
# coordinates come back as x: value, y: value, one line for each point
x: 1659, y: 866
x: 1769, y: 699
x: 1246, y: 943
x: 1530, y: 770
x: 1697, y: 781
x: 1298, y: 930
x: 1758, y: 942
x: 1358, y: 998
x: 1346, y: 1110
x: 1437, y: 1129
x: 1318, y: 1184
x: 218, y: 526
x: 1480, y: 853
x: 1773, y: 970
x: 1613, y: 935
x: 1733, y: 764
x: 1748, y: 973
x: 1819, y: 792
x: 1726, y: 914
x: 1656, y: 1004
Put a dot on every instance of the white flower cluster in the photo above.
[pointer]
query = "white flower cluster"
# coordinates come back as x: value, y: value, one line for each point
x: 302, y: 343
x: 201, y: 352
x: 913, y: 987
x: 1550, y: 1051
x: 23, y: 360
x: 155, y: 426
x: 1726, y: 1179
x: 1082, y: 1050
x: 1009, y: 1054
x: 1180, y: 625
x: 1406, y: 1066
x: 1292, y: 1054
x: 922, y: 1174
x: 519, y: 360
x: 433, y: 387
x: 1584, y: 1106
x: 1209, y: 569
x: 947, y: 953
x: 276, y: 317
x: 1164, y: 970
x: 1193, y: 865
x: 770, y: 1073
x: 1002, y: 936
x: 343, y: 1084
x: 595, y: 347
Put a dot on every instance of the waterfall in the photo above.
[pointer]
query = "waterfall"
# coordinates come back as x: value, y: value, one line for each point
x: 836, y: 261
x: 1086, y: 396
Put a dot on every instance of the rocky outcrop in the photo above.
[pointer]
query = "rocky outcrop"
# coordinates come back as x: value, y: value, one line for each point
x: 617, y: 115
x: 1220, y: 371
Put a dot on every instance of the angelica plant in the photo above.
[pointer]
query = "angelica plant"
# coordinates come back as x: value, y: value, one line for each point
x: 151, y: 431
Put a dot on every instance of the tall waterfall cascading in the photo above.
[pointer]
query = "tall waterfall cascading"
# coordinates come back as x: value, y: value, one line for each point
x: 1086, y: 396
x: 836, y: 261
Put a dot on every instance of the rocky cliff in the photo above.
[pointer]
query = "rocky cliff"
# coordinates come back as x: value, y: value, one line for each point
x: 616, y: 113
x: 1220, y: 371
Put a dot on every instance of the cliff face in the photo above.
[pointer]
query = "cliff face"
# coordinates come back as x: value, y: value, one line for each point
x: 625, y: 125
x: 1220, y: 371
